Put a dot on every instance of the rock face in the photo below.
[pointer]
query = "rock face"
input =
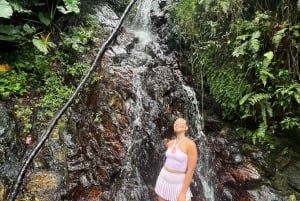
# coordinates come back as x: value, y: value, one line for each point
x: 115, y: 131
x: 247, y: 173
x: 11, y: 148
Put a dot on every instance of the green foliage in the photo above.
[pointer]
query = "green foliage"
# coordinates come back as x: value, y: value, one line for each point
x: 227, y: 86
x: 247, y: 54
x: 289, y: 123
x: 70, y: 6
x: 6, y: 9
x: 31, y: 28
x: 78, y: 37
x: 56, y: 93
x: 47, y: 79
x: 13, y: 83
x: 24, y: 113
x: 43, y: 45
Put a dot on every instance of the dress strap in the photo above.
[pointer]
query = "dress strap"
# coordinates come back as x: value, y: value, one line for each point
x: 174, y: 144
x: 183, y: 139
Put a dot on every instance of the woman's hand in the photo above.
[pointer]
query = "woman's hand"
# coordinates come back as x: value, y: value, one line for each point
x: 181, y: 197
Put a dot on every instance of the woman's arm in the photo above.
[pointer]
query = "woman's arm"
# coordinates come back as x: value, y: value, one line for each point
x: 192, y: 162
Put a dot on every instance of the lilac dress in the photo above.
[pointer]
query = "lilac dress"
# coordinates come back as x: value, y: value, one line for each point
x: 169, y: 184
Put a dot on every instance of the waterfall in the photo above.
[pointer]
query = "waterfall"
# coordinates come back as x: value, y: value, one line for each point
x: 142, y: 29
x: 142, y: 23
x: 204, y: 168
x: 129, y: 111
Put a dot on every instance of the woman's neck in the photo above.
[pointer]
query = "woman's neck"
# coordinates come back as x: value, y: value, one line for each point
x: 179, y: 136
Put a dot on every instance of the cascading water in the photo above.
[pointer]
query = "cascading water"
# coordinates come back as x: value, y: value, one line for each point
x: 145, y: 111
x: 204, y: 168
x: 125, y: 115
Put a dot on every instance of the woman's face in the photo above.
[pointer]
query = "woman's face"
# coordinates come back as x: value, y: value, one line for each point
x: 180, y: 126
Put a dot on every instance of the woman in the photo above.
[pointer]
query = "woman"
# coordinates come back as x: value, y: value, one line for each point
x: 181, y: 158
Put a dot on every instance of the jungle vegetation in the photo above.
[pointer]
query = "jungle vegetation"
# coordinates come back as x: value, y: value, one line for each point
x: 42, y: 48
x: 246, y: 53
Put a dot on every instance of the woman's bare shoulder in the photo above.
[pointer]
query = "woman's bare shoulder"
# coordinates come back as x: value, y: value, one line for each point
x: 191, y: 143
x: 168, y: 142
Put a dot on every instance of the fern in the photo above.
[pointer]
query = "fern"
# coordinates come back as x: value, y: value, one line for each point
x: 246, y: 97
x: 254, y: 43
x: 290, y: 122
x: 264, y: 75
x: 278, y: 37
x: 260, y: 133
x: 205, y: 3
x: 224, y: 6
x: 256, y: 98
x: 240, y: 50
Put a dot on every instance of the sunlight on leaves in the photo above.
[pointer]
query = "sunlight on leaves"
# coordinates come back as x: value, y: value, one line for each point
x: 6, y: 9
x: 71, y: 6
x: 43, y: 44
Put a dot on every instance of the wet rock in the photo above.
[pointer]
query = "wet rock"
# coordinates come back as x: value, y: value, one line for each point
x: 106, y: 16
x: 266, y: 193
x: 247, y: 175
x: 44, y: 185
x: 11, y: 145
x: 227, y: 179
x: 157, y: 14
x: 227, y: 194
x: 280, y: 182
x: 212, y: 124
x: 3, y: 190
x: 293, y: 174
x: 264, y: 161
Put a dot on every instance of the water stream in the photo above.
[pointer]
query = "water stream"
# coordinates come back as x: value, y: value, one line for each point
x: 115, y: 150
x: 145, y: 107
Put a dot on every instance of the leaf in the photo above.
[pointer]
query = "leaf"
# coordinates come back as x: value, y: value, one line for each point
x: 254, y: 42
x: 278, y: 37
x: 18, y: 8
x: 42, y: 45
x: 298, y: 5
x: 254, y: 45
x: 268, y: 58
x: 5, y: 67
x: 269, y: 55
x: 245, y: 98
x: 255, y: 35
x: 242, y: 37
x: 6, y: 9
x: 45, y: 18
x: 28, y: 29
x: 240, y: 50
x: 9, y: 33
x: 225, y: 6
x: 71, y: 6
x: 256, y: 98
x: 264, y: 75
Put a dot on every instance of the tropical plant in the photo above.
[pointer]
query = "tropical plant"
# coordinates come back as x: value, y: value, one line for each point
x: 246, y: 53
x: 38, y: 24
